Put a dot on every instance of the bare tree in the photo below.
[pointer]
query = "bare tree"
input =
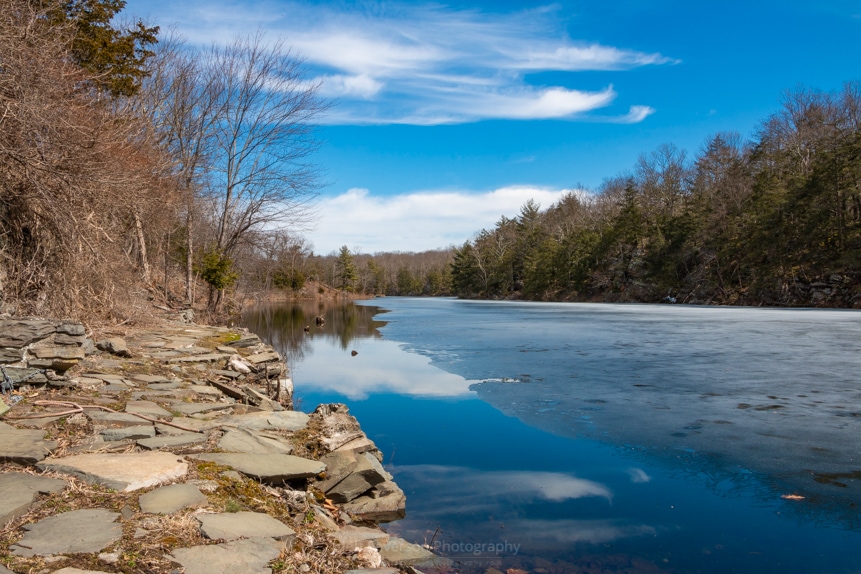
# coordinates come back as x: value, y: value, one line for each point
x: 265, y: 135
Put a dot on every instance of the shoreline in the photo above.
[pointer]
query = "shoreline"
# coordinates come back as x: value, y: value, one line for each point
x: 182, y: 406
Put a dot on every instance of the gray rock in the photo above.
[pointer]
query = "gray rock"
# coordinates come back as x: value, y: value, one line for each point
x: 147, y: 408
x: 284, y: 420
x: 246, y: 340
x: 249, y: 556
x: 350, y: 474
x: 114, y: 419
x: 24, y: 446
x: 233, y: 525
x: 149, y: 379
x: 70, y: 570
x: 126, y: 472
x: 271, y: 468
x: 199, y: 408
x: 72, y: 328
x: 399, y: 551
x: 172, y: 441
x: 88, y: 530
x: 244, y: 440
x: 169, y: 386
x: 384, y: 503
x: 228, y: 374
x: 21, y: 332
x: 19, y: 374
x: 58, y: 352
x: 260, y: 358
x: 76, y: 340
x: 115, y: 346
x: 11, y: 355
x: 374, y: 571
x: 352, y: 537
x: 261, y: 400
x: 18, y: 490
x: 169, y: 499
x: 129, y: 433
x: 206, y: 390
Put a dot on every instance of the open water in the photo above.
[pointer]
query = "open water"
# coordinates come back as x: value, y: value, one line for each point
x: 600, y: 438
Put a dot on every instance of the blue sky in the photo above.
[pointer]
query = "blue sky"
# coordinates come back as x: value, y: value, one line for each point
x: 449, y: 115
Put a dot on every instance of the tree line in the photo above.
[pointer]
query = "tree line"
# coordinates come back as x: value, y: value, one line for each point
x: 127, y: 156
x: 771, y: 221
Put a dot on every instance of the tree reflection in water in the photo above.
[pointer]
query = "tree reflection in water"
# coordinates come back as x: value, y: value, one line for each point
x: 283, y: 325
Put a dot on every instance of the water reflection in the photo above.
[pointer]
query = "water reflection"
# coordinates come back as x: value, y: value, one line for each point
x: 290, y: 327
x: 668, y: 470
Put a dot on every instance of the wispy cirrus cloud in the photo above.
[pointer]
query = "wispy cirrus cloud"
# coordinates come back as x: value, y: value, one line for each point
x: 417, y: 221
x: 428, y: 64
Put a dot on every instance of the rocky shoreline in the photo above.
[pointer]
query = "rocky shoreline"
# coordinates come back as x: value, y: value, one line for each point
x: 176, y: 449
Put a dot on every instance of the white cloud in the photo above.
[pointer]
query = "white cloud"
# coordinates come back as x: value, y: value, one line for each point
x: 638, y: 475
x: 416, y: 221
x: 426, y: 64
x: 381, y: 367
x: 472, y: 490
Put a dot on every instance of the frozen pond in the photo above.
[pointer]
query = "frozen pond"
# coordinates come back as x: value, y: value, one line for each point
x: 618, y: 437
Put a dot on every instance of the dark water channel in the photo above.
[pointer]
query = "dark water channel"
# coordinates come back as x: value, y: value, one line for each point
x: 600, y: 438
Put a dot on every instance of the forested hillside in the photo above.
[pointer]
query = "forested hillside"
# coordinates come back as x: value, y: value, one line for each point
x: 773, y: 221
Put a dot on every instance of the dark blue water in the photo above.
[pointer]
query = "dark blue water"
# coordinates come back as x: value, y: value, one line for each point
x: 601, y: 438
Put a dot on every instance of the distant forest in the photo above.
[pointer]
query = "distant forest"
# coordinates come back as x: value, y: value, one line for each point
x: 772, y: 221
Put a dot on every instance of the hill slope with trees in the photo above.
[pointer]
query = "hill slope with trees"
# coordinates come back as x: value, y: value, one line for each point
x: 773, y: 221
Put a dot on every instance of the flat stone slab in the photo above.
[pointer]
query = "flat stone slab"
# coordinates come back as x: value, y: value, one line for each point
x: 149, y: 379
x: 249, y: 556
x: 129, y: 433
x: 21, y: 332
x: 59, y: 352
x: 24, y: 446
x: 171, y: 498
x: 263, y: 358
x: 384, y: 503
x: 114, y: 419
x: 87, y: 530
x: 18, y: 490
x: 233, y: 525
x: 206, y: 390
x: 147, y: 408
x: 125, y: 472
x: 399, y: 551
x: 267, y: 420
x: 168, y: 386
x: 71, y: 570
x: 272, y: 468
x: 170, y: 441
x: 199, y: 408
x: 244, y: 440
x: 350, y: 537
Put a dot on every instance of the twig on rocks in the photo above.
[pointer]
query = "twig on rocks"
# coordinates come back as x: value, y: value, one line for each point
x: 80, y: 408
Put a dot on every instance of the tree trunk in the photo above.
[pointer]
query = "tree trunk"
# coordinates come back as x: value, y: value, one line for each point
x: 142, y: 249
x: 189, y: 255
